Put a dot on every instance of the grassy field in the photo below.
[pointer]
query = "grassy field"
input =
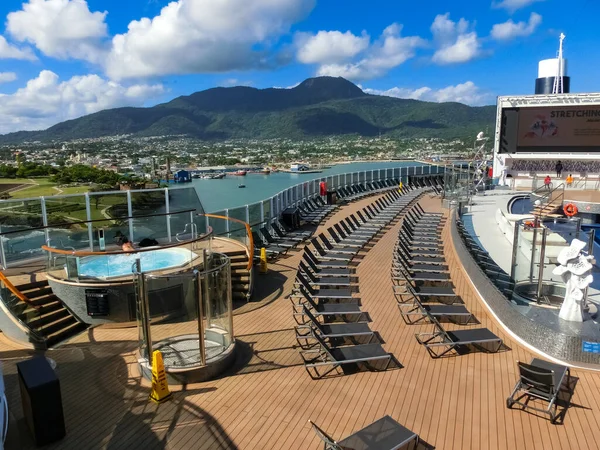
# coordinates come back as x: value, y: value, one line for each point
x: 41, y: 187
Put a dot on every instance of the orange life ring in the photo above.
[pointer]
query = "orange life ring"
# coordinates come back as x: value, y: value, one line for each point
x: 570, y: 209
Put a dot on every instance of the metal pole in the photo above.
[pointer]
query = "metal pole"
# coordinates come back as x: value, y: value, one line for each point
x: 45, y: 219
x: 168, y: 216
x: 229, y: 299
x: 130, y: 214
x: 532, y: 261
x: 88, y: 215
x: 541, y: 268
x: 199, y: 298
x: 591, y: 253
x: 206, y: 288
x: 144, y: 310
x: 513, y: 266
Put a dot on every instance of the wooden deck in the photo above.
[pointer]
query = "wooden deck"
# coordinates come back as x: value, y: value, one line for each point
x: 266, y: 400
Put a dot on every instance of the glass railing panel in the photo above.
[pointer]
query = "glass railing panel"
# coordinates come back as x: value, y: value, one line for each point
x: 156, y: 227
x: 254, y: 213
x: 219, y: 226
x: 267, y: 209
x: 237, y: 231
x: 19, y: 240
x: 174, y: 327
x: 217, y: 306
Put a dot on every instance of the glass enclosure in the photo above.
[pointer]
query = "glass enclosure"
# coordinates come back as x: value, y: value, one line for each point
x: 536, y: 247
x: 458, y: 183
x: 173, y: 323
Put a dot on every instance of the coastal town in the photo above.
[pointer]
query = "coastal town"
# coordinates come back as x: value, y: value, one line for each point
x: 146, y: 157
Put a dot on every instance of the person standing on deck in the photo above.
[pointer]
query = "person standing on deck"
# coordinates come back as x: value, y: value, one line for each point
x: 547, y: 182
x: 559, y: 168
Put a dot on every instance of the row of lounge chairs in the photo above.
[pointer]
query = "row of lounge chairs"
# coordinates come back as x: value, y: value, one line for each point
x: 538, y: 380
x: 277, y: 240
x: 494, y: 272
x: 359, y: 191
x: 315, y: 210
x: 333, y: 332
x: 424, y: 290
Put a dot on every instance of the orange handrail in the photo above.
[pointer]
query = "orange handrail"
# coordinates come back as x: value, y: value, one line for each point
x: 121, y: 252
x: 11, y: 287
x: 248, y: 231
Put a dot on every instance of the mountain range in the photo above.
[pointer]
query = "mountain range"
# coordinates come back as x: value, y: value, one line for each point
x: 317, y: 107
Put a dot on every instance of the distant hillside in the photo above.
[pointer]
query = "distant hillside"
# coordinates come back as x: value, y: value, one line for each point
x: 317, y: 107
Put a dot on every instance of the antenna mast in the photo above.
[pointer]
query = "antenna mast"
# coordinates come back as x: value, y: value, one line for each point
x: 558, y: 79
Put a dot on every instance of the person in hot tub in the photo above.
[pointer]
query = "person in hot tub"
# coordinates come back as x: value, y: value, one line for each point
x: 125, y: 244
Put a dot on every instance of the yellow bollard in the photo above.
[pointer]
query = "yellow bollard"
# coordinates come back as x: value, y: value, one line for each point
x: 160, y: 387
x: 264, y: 268
x: 400, y: 187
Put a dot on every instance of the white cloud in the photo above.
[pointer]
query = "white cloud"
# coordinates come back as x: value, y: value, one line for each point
x: 454, y: 41
x: 328, y: 47
x: 6, y: 77
x: 190, y: 36
x: 8, y: 51
x: 510, y: 30
x: 513, y: 5
x: 60, y: 28
x: 46, y: 100
x: 389, y: 51
x: 467, y: 93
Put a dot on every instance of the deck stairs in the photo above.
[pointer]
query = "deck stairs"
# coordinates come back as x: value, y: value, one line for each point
x: 240, y: 275
x: 548, y: 210
x: 45, y: 314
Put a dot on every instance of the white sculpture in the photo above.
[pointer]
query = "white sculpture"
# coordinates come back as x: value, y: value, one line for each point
x: 575, y: 269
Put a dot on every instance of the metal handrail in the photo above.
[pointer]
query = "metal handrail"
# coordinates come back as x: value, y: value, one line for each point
x: 11, y: 287
x: 121, y: 252
x: 248, y: 232
x: 548, y: 196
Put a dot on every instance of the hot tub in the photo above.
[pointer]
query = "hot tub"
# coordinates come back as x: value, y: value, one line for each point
x: 115, y: 266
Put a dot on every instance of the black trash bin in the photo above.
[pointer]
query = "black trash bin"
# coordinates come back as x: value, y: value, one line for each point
x: 41, y: 400
x: 331, y: 197
x: 291, y: 217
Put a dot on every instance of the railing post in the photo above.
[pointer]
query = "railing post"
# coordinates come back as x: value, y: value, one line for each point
x: 144, y: 309
x: 200, y: 300
x: 532, y: 262
x: 88, y: 215
x: 206, y: 289
x: 130, y: 214
x: 227, y: 222
x: 45, y: 219
x: 168, y: 216
x: 262, y: 212
x: 541, y: 268
x: 247, y: 214
x: 230, y: 299
x: 513, y: 266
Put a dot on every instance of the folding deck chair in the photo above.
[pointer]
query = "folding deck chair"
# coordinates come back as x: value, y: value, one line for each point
x: 446, y: 341
x: 383, y: 434
x: 542, y: 380
x: 371, y: 356
x: 355, y: 332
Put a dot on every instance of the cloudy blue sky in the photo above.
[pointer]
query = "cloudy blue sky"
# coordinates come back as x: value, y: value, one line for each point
x: 60, y: 59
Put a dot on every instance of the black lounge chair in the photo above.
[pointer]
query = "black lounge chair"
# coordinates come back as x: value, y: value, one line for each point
x: 285, y: 243
x: 324, y: 271
x: 383, y: 434
x: 345, y: 312
x: 427, y: 294
x: 415, y: 313
x: 333, y: 331
x: 371, y: 356
x: 330, y: 256
x: 447, y: 341
x: 319, y: 281
x: 542, y: 380
x: 328, y: 294
x: 325, y: 264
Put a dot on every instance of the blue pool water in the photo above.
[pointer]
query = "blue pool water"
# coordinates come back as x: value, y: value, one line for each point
x: 521, y: 205
x: 122, y: 265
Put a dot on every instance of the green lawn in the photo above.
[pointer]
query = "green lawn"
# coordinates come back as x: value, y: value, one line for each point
x: 43, y: 187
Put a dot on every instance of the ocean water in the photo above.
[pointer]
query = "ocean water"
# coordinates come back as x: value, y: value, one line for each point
x: 217, y: 195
